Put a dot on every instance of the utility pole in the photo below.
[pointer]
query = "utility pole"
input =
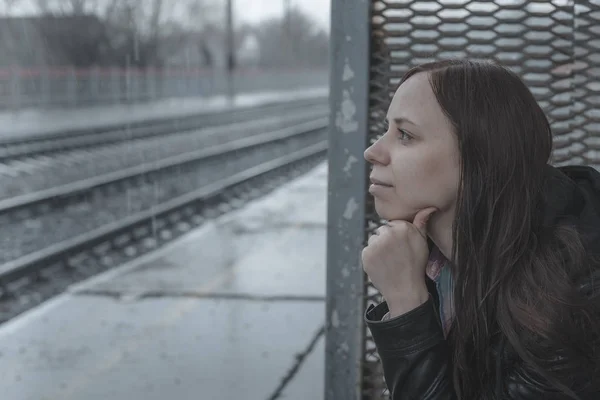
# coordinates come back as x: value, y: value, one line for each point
x: 289, y: 39
x: 230, y: 51
x: 287, y: 9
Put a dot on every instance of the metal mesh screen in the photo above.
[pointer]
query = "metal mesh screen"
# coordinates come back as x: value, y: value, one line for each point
x: 552, y: 45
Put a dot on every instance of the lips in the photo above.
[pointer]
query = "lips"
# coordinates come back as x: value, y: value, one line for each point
x: 375, y: 181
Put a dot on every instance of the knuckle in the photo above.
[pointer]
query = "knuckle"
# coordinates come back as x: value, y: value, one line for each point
x: 402, y: 228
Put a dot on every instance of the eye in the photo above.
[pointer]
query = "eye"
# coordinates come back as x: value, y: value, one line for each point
x: 402, y: 133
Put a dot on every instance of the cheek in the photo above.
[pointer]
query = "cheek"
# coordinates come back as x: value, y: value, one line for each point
x: 426, y: 180
x: 444, y: 176
x: 412, y: 170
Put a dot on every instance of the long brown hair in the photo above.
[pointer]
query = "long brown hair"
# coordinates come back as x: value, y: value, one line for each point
x: 513, y: 274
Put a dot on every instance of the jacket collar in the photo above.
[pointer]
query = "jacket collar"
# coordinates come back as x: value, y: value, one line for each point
x: 572, y: 196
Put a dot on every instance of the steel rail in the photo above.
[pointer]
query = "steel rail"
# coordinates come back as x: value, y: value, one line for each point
x: 15, y: 148
x: 23, y: 206
x: 32, y: 265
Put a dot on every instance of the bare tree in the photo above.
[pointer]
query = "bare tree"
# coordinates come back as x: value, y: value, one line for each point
x: 137, y: 32
x: 295, y: 40
x: 74, y: 7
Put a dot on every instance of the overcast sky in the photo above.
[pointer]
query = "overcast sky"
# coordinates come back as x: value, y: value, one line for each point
x: 245, y: 10
x: 256, y: 10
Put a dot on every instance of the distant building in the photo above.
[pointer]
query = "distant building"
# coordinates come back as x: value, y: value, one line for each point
x: 248, y: 53
x: 191, y: 50
x: 207, y: 49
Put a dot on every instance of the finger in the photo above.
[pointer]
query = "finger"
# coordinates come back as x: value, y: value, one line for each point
x: 421, y: 219
x: 372, y: 238
x: 381, y: 229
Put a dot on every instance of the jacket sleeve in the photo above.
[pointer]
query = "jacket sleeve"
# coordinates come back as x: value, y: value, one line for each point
x: 413, y: 352
x: 415, y: 359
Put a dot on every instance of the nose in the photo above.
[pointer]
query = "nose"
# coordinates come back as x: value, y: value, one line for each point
x: 376, y: 153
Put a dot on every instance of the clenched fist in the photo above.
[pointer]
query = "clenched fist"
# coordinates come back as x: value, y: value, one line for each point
x: 395, y: 260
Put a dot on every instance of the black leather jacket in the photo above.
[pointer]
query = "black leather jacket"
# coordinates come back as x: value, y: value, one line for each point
x: 412, y: 348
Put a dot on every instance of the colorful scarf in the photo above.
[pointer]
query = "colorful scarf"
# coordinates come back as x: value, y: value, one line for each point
x: 438, y: 270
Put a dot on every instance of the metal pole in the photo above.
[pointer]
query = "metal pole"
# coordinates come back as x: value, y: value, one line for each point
x: 291, y: 43
x: 287, y: 6
x: 347, y: 194
x: 230, y: 51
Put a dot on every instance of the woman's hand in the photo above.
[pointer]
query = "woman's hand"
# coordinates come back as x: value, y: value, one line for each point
x: 395, y: 260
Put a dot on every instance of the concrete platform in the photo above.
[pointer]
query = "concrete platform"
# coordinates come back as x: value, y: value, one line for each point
x: 232, y: 310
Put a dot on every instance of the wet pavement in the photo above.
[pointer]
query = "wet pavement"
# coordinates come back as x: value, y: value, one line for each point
x: 234, y: 309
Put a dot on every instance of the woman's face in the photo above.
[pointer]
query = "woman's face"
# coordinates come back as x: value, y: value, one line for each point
x: 415, y: 164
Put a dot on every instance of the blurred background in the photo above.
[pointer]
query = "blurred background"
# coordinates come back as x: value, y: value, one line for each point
x: 85, y: 52
x: 183, y: 195
x: 151, y: 162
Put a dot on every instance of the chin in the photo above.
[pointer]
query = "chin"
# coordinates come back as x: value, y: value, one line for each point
x: 391, y: 213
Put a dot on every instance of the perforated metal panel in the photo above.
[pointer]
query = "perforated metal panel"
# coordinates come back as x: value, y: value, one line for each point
x: 583, y: 145
x: 553, y: 46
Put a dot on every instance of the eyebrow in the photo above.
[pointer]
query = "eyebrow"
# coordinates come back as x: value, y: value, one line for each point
x: 400, y: 120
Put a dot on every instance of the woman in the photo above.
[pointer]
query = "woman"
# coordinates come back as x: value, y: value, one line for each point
x: 488, y: 263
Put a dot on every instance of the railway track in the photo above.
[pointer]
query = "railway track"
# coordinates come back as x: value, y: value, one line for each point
x: 79, y: 164
x: 43, y: 145
x: 32, y: 205
x: 231, y: 174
